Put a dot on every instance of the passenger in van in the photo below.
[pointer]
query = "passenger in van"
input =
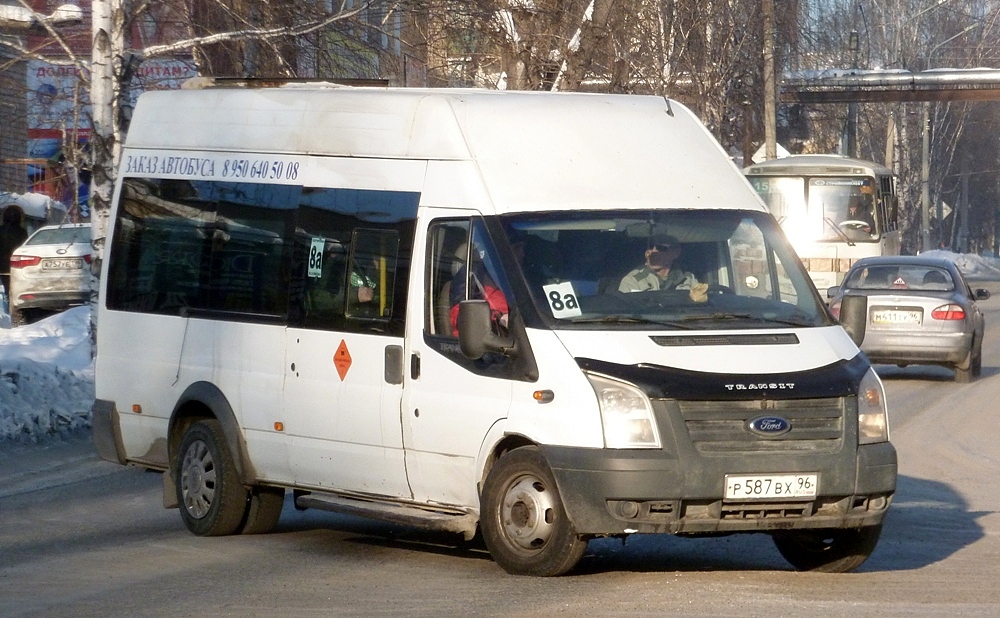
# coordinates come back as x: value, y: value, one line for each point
x: 363, y: 285
x: 483, y: 288
x: 325, y: 295
x: 658, y: 272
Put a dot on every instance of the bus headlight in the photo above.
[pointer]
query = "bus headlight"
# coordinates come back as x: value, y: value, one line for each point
x: 626, y: 413
x: 873, y: 418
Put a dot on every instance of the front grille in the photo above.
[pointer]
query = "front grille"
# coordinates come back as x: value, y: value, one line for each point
x: 817, y: 425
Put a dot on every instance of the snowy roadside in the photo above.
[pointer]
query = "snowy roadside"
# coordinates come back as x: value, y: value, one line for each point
x: 46, y: 377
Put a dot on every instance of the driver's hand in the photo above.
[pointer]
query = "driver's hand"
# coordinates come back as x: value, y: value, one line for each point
x: 699, y: 292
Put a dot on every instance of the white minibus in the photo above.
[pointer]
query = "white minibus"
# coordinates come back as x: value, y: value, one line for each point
x: 539, y: 317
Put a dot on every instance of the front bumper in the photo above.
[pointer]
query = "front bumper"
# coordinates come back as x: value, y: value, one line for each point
x: 607, y: 492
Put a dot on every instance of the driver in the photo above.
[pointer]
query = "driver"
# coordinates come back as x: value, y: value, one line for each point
x: 658, y: 272
x: 857, y: 212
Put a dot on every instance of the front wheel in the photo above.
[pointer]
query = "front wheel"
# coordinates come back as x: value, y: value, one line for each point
x: 827, y: 551
x: 212, y: 499
x: 523, y: 522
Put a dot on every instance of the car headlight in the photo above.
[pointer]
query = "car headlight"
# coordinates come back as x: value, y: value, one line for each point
x: 873, y: 418
x: 626, y: 413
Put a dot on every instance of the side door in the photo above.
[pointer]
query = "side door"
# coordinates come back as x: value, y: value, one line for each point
x: 450, y: 402
x: 343, y: 380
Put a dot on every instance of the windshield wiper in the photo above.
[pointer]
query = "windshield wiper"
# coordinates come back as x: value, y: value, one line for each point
x: 840, y: 232
x: 631, y: 319
x: 722, y: 317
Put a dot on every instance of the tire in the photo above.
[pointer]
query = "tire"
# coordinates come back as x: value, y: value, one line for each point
x: 971, y: 367
x: 523, y: 522
x: 263, y: 510
x: 827, y: 551
x: 16, y: 318
x: 211, y: 496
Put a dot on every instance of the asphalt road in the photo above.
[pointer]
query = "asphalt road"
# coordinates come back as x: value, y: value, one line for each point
x: 82, y: 537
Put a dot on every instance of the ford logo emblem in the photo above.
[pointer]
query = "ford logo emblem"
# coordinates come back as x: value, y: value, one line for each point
x: 769, y: 426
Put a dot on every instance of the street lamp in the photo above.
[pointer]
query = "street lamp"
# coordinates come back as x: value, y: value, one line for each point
x: 23, y: 18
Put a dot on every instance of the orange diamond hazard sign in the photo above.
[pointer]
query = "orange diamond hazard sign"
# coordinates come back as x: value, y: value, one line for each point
x: 342, y: 359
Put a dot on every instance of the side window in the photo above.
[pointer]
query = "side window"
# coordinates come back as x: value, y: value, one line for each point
x: 448, y: 251
x: 463, y: 266
x: 352, y: 253
x: 322, y: 258
x: 195, y: 245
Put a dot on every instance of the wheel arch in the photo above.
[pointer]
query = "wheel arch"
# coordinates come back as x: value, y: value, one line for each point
x: 204, y: 400
x: 501, y: 444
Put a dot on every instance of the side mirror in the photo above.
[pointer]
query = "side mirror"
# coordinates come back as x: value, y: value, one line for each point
x: 831, y: 292
x: 475, y: 331
x: 854, y: 317
x: 982, y: 294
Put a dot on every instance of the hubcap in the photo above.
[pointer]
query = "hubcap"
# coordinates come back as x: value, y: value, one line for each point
x: 528, y: 513
x: 198, y: 479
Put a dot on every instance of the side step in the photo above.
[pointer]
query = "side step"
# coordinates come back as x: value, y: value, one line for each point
x: 456, y: 521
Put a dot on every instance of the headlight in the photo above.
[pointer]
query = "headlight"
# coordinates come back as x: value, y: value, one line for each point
x: 873, y: 419
x: 626, y: 413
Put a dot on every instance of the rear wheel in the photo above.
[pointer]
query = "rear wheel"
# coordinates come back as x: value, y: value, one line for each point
x: 523, y: 522
x: 977, y: 360
x: 212, y: 499
x: 16, y: 318
x: 827, y: 551
x: 972, y: 366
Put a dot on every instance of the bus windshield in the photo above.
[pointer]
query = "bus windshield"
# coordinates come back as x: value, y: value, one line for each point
x: 826, y: 209
x: 674, y: 270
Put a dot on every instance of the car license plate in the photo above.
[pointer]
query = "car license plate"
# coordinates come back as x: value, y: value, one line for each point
x: 763, y: 486
x: 62, y: 264
x: 897, y: 316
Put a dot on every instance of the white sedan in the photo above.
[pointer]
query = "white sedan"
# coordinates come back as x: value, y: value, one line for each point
x: 50, y: 272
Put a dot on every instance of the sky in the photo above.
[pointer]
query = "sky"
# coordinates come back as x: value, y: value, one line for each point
x: 47, y: 373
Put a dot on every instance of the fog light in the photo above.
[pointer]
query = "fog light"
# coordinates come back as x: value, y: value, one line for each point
x: 628, y: 509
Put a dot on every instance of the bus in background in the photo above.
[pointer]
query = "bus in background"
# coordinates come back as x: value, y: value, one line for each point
x: 833, y: 209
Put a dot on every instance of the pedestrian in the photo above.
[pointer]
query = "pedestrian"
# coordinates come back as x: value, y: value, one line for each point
x: 12, y: 236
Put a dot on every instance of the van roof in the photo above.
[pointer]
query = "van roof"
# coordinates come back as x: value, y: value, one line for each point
x: 529, y: 147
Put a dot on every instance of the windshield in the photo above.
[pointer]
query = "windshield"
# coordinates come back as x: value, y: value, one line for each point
x: 698, y: 270
x: 896, y: 277
x: 60, y: 236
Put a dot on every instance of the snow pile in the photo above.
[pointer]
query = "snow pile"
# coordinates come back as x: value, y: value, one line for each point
x: 46, y: 377
x: 974, y: 267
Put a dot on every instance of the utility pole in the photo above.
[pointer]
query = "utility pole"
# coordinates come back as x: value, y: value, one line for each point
x: 852, y: 107
x: 925, y: 179
x: 770, y: 92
